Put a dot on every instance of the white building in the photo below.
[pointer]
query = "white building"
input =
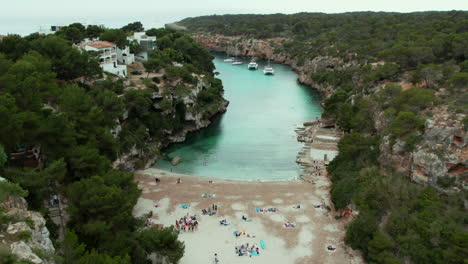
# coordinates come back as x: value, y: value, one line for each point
x: 147, y: 44
x: 124, y: 56
x: 107, y: 52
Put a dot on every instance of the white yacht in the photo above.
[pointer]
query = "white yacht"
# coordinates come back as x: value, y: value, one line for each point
x: 252, y: 65
x: 231, y: 59
x: 237, y: 62
x: 268, y: 70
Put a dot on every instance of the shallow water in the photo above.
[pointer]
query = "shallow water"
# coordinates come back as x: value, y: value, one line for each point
x: 255, y: 138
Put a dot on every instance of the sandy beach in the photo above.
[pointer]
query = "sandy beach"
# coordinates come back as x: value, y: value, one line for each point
x: 315, y: 228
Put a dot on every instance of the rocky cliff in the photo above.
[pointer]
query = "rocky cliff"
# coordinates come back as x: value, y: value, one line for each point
x: 440, y: 159
x: 26, y: 234
x: 269, y: 49
x: 197, y: 116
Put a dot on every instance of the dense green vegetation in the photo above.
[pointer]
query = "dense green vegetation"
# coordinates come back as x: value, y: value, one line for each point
x: 409, y: 39
x: 398, y: 222
x: 43, y: 107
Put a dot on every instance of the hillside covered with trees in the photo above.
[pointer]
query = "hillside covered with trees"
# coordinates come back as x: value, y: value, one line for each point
x: 59, y: 113
x: 397, y: 84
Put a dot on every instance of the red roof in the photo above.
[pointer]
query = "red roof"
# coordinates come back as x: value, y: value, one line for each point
x: 101, y: 44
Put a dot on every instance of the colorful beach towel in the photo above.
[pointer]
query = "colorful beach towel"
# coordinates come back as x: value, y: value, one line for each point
x: 206, y: 195
x: 184, y: 206
x: 264, y: 210
x: 262, y: 244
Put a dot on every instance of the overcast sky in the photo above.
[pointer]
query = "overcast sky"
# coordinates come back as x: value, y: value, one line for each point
x: 18, y: 14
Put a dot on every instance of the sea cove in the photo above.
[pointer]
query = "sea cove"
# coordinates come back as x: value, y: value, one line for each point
x: 255, y: 138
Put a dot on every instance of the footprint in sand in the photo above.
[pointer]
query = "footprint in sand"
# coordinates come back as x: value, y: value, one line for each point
x: 258, y: 203
x: 238, y: 206
x: 277, y: 218
x: 331, y: 228
x: 278, y: 201
x: 306, y: 236
x: 302, y: 219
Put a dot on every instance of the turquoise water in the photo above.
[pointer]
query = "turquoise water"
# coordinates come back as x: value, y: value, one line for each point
x: 255, y: 138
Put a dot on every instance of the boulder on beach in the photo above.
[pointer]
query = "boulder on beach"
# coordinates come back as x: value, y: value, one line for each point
x: 176, y: 160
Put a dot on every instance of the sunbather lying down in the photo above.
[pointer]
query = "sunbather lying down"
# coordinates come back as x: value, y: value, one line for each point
x: 224, y: 222
x: 331, y: 248
x: 237, y: 234
x: 265, y: 210
x: 288, y: 224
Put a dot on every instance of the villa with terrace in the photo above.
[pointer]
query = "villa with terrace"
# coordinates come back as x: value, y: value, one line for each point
x: 107, y: 52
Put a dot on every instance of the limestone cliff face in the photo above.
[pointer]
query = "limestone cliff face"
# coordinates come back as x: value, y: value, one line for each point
x: 268, y: 49
x: 196, y: 118
x: 26, y: 235
x: 440, y: 159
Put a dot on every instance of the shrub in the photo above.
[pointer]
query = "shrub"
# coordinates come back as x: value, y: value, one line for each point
x: 446, y: 181
x: 7, y: 257
x: 406, y: 123
x: 156, y: 80
x: 30, y: 222
x: 24, y: 235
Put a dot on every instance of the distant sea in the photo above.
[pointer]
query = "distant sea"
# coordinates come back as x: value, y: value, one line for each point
x: 25, y: 25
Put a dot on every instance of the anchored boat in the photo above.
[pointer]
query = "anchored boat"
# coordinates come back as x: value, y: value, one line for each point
x: 268, y: 70
x: 252, y: 65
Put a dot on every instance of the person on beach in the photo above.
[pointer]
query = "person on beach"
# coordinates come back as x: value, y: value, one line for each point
x: 179, y: 180
x: 216, y: 260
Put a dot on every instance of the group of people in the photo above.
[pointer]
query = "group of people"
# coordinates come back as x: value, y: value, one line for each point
x: 187, y: 223
x: 238, y: 234
x: 317, y: 168
x: 247, y: 250
x: 212, y: 210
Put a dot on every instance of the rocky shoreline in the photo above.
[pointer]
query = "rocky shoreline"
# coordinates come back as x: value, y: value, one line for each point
x: 441, y: 155
x: 267, y: 49
x: 195, y: 121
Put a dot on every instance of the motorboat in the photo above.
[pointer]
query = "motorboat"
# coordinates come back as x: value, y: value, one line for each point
x: 252, y: 65
x: 228, y: 59
x: 237, y: 62
x: 268, y: 70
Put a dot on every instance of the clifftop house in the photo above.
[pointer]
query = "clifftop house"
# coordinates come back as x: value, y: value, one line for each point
x: 107, y: 52
x: 147, y: 44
